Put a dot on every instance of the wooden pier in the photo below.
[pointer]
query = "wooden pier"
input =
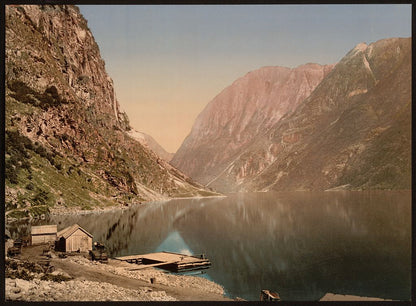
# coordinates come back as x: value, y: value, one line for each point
x: 173, y: 262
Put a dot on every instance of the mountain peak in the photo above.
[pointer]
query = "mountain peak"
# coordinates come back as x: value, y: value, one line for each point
x: 361, y: 47
x: 149, y: 142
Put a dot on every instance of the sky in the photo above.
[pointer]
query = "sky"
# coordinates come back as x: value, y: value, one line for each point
x: 169, y: 61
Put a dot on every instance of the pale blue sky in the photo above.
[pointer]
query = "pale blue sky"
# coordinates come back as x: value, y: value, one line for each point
x: 168, y: 62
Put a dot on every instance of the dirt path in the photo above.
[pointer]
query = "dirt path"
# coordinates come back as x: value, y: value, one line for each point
x: 82, y: 272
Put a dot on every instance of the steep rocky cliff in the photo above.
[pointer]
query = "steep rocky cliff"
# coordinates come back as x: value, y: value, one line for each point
x: 352, y: 132
x: 241, y: 113
x: 67, y: 141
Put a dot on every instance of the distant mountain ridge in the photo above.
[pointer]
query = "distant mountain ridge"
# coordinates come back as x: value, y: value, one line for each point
x: 151, y: 143
x: 353, y: 131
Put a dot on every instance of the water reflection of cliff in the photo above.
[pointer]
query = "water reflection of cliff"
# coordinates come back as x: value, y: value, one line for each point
x: 302, y: 244
x: 313, y: 243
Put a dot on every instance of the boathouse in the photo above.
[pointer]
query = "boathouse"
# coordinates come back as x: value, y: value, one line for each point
x: 43, y: 234
x: 73, y: 239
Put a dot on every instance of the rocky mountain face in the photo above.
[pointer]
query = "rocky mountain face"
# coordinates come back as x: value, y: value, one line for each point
x: 240, y: 114
x: 352, y: 132
x: 149, y: 142
x: 67, y: 141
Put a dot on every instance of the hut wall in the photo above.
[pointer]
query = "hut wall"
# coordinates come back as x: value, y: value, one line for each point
x: 44, y: 229
x: 79, y: 241
x: 45, y: 238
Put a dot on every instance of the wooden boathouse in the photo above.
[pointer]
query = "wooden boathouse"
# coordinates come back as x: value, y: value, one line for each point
x: 43, y: 234
x: 73, y: 239
x: 173, y: 262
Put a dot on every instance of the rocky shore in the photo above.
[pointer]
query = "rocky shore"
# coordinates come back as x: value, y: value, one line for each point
x: 77, y: 278
x: 77, y: 290
x: 62, y: 210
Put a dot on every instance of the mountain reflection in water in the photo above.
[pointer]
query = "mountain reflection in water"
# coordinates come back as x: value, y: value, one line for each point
x: 299, y: 244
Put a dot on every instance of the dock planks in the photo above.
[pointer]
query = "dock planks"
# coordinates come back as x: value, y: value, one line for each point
x: 167, y: 260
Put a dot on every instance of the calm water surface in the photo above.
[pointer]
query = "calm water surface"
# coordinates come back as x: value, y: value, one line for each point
x: 299, y: 244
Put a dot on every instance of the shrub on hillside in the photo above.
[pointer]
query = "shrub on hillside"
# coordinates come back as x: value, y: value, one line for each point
x: 25, y: 94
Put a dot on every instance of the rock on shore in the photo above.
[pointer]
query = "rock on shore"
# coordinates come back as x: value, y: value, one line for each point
x: 77, y: 290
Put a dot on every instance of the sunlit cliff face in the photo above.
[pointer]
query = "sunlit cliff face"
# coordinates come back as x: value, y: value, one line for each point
x: 312, y: 128
x: 240, y: 114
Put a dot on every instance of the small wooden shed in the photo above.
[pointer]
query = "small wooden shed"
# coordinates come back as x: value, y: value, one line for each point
x: 43, y: 234
x: 73, y: 239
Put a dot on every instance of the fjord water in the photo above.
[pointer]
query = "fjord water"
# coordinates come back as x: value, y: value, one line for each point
x: 299, y: 244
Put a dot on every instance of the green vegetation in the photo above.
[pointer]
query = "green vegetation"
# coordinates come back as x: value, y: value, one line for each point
x: 20, y: 151
x: 45, y: 178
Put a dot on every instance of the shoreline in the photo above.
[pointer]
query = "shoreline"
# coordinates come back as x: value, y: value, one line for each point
x: 77, y: 278
x: 198, y: 197
x: 83, y: 274
x: 55, y: 211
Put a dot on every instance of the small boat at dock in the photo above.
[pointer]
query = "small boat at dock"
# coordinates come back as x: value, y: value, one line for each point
x: 173, y: 262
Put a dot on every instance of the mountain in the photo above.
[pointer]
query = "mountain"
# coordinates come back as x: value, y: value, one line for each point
x: 149, y: 142
x: 352, y: 132
x: 67, y: 141
x: 240, y: 114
